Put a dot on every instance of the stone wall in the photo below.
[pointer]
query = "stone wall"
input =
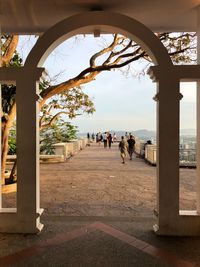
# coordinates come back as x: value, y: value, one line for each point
x: 70, y: 148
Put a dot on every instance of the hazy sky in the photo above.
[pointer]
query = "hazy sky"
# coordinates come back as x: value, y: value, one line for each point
x: 122, y: 103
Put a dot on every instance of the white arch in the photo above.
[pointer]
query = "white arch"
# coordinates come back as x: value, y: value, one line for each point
x: 168, y: 96
x: 105, y: 22
x: 170, y: 221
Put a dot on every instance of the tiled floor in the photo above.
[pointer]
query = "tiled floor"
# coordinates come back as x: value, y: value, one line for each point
x: 25, y: 256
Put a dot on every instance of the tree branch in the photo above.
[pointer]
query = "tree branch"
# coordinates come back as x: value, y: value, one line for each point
x: 11, y: 47
x: 180, y: 51
x: 53, y: 119
x: 105, y: 50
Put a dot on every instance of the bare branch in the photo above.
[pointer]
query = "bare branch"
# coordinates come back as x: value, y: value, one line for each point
x: 113, y: 54
x: 180, y: 51
x: 105, y: 50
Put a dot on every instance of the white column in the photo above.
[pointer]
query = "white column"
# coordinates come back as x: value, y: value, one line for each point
x: 168, y: 152
x: 28, y: 206
x: 168, y: 98
x: 198, y: 114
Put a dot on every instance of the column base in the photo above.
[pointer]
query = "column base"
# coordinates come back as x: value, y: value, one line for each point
x: 187, y: 223
x: 12, y: 222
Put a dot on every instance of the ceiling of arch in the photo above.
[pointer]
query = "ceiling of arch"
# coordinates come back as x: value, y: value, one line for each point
x: 36, y: 16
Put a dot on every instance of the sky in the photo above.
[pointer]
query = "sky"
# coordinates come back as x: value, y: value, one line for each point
x: 121, y: 102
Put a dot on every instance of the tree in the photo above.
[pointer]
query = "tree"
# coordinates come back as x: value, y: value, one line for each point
x: 59, y: 131
x: 116, y: 55
x: 71, y: 103
x: 9, y: 58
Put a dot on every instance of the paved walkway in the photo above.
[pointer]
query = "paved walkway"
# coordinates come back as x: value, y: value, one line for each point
x: 95, y: 183
x: 98, y: 212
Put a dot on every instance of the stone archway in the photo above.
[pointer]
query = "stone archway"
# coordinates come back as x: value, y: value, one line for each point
x: 27, y: 216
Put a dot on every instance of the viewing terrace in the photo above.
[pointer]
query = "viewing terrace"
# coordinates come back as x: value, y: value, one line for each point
x: 95, y: 183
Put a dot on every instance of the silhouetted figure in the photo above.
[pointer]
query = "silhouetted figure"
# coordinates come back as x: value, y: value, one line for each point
x: 148, y: 142
x: 88, y: 139
x: 93, y: 137
x: 110, y: 140
x: 105, y: 140
x: 98, y: 138
x: 131, y: 146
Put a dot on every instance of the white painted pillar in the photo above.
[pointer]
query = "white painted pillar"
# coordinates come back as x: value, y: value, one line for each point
x: 168, y: 98
x: 28, y: 202
x: 168, y: 152
x: 198, y: 114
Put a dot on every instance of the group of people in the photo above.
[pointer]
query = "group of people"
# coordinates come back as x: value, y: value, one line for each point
x: 127, y: 144
x: 107, y: 138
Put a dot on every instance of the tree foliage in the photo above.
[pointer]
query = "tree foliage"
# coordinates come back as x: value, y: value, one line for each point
x: 70, y: 104
x: 12, y: 141
x: 58, y: 132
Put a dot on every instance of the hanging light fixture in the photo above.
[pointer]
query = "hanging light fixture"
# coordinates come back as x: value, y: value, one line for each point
x: 97, y: 33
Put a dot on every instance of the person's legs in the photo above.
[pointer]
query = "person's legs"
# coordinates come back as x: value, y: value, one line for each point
x: 123, y: 157
x: 130, y: 153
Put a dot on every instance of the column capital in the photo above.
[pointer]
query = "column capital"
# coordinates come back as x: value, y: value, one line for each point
x: 157, y: 97
x: 35, y: 74
x: 175, y: 73
x: 157, y: 73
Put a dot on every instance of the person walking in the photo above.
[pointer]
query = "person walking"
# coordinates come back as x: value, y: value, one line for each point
x: 126, y: 136
x: 98, y: 138
x: 105, y: 141
x: 88, y: 139
x: 131, y: 146
x: 123, y: 148
x: 114, y: 137
x: 110, y: 140
x: 93, y: 137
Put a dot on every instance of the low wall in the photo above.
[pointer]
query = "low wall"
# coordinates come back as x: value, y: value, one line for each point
x: 70, y: 148
x: 139, y: 147
x: 150, y: 154
x: 146, y: 151
x: 63, y: 151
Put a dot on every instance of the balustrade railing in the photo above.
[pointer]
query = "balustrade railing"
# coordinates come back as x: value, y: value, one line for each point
x: 187, y: 157
x: 148, y: 152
